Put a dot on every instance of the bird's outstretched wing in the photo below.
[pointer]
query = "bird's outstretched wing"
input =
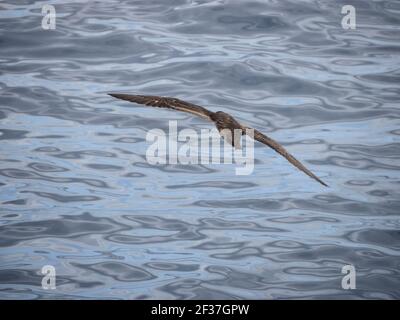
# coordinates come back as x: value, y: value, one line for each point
x: 180, y: 105
x: 283, y: 152
x: 165, y: 102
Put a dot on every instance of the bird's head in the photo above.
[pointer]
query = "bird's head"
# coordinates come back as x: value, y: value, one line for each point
x: 225, y: 120
x: 222, y: 116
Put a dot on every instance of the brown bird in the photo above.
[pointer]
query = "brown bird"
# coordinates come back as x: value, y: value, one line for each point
x: 222, y: 121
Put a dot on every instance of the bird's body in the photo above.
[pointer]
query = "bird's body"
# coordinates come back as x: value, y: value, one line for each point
x: 225, y: 123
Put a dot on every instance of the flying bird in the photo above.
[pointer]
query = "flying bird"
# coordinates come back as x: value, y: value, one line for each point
x: 223, y: 121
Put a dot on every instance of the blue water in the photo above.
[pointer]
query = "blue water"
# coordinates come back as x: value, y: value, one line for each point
x: 77, y: 193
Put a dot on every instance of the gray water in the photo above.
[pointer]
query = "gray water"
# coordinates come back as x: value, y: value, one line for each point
x: 77, y: 193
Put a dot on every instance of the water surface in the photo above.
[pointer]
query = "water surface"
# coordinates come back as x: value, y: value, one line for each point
x: 76, y: 191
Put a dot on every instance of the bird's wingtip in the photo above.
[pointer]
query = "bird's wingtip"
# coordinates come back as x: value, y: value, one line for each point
x: 121, y: 96
x: 324, y: 184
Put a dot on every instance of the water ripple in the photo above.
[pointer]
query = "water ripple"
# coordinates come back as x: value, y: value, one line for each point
x: 77, y: 192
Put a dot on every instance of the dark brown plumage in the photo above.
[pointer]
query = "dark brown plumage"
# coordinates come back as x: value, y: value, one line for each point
x: 222, y: 121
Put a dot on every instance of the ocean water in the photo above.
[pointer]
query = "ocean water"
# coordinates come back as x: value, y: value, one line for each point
x: 76, y: 190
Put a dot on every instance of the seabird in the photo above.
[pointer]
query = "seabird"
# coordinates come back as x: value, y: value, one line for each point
x: 221, y: 120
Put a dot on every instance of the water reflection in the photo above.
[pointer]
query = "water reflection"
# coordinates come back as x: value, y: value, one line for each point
x: 77, y: 192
